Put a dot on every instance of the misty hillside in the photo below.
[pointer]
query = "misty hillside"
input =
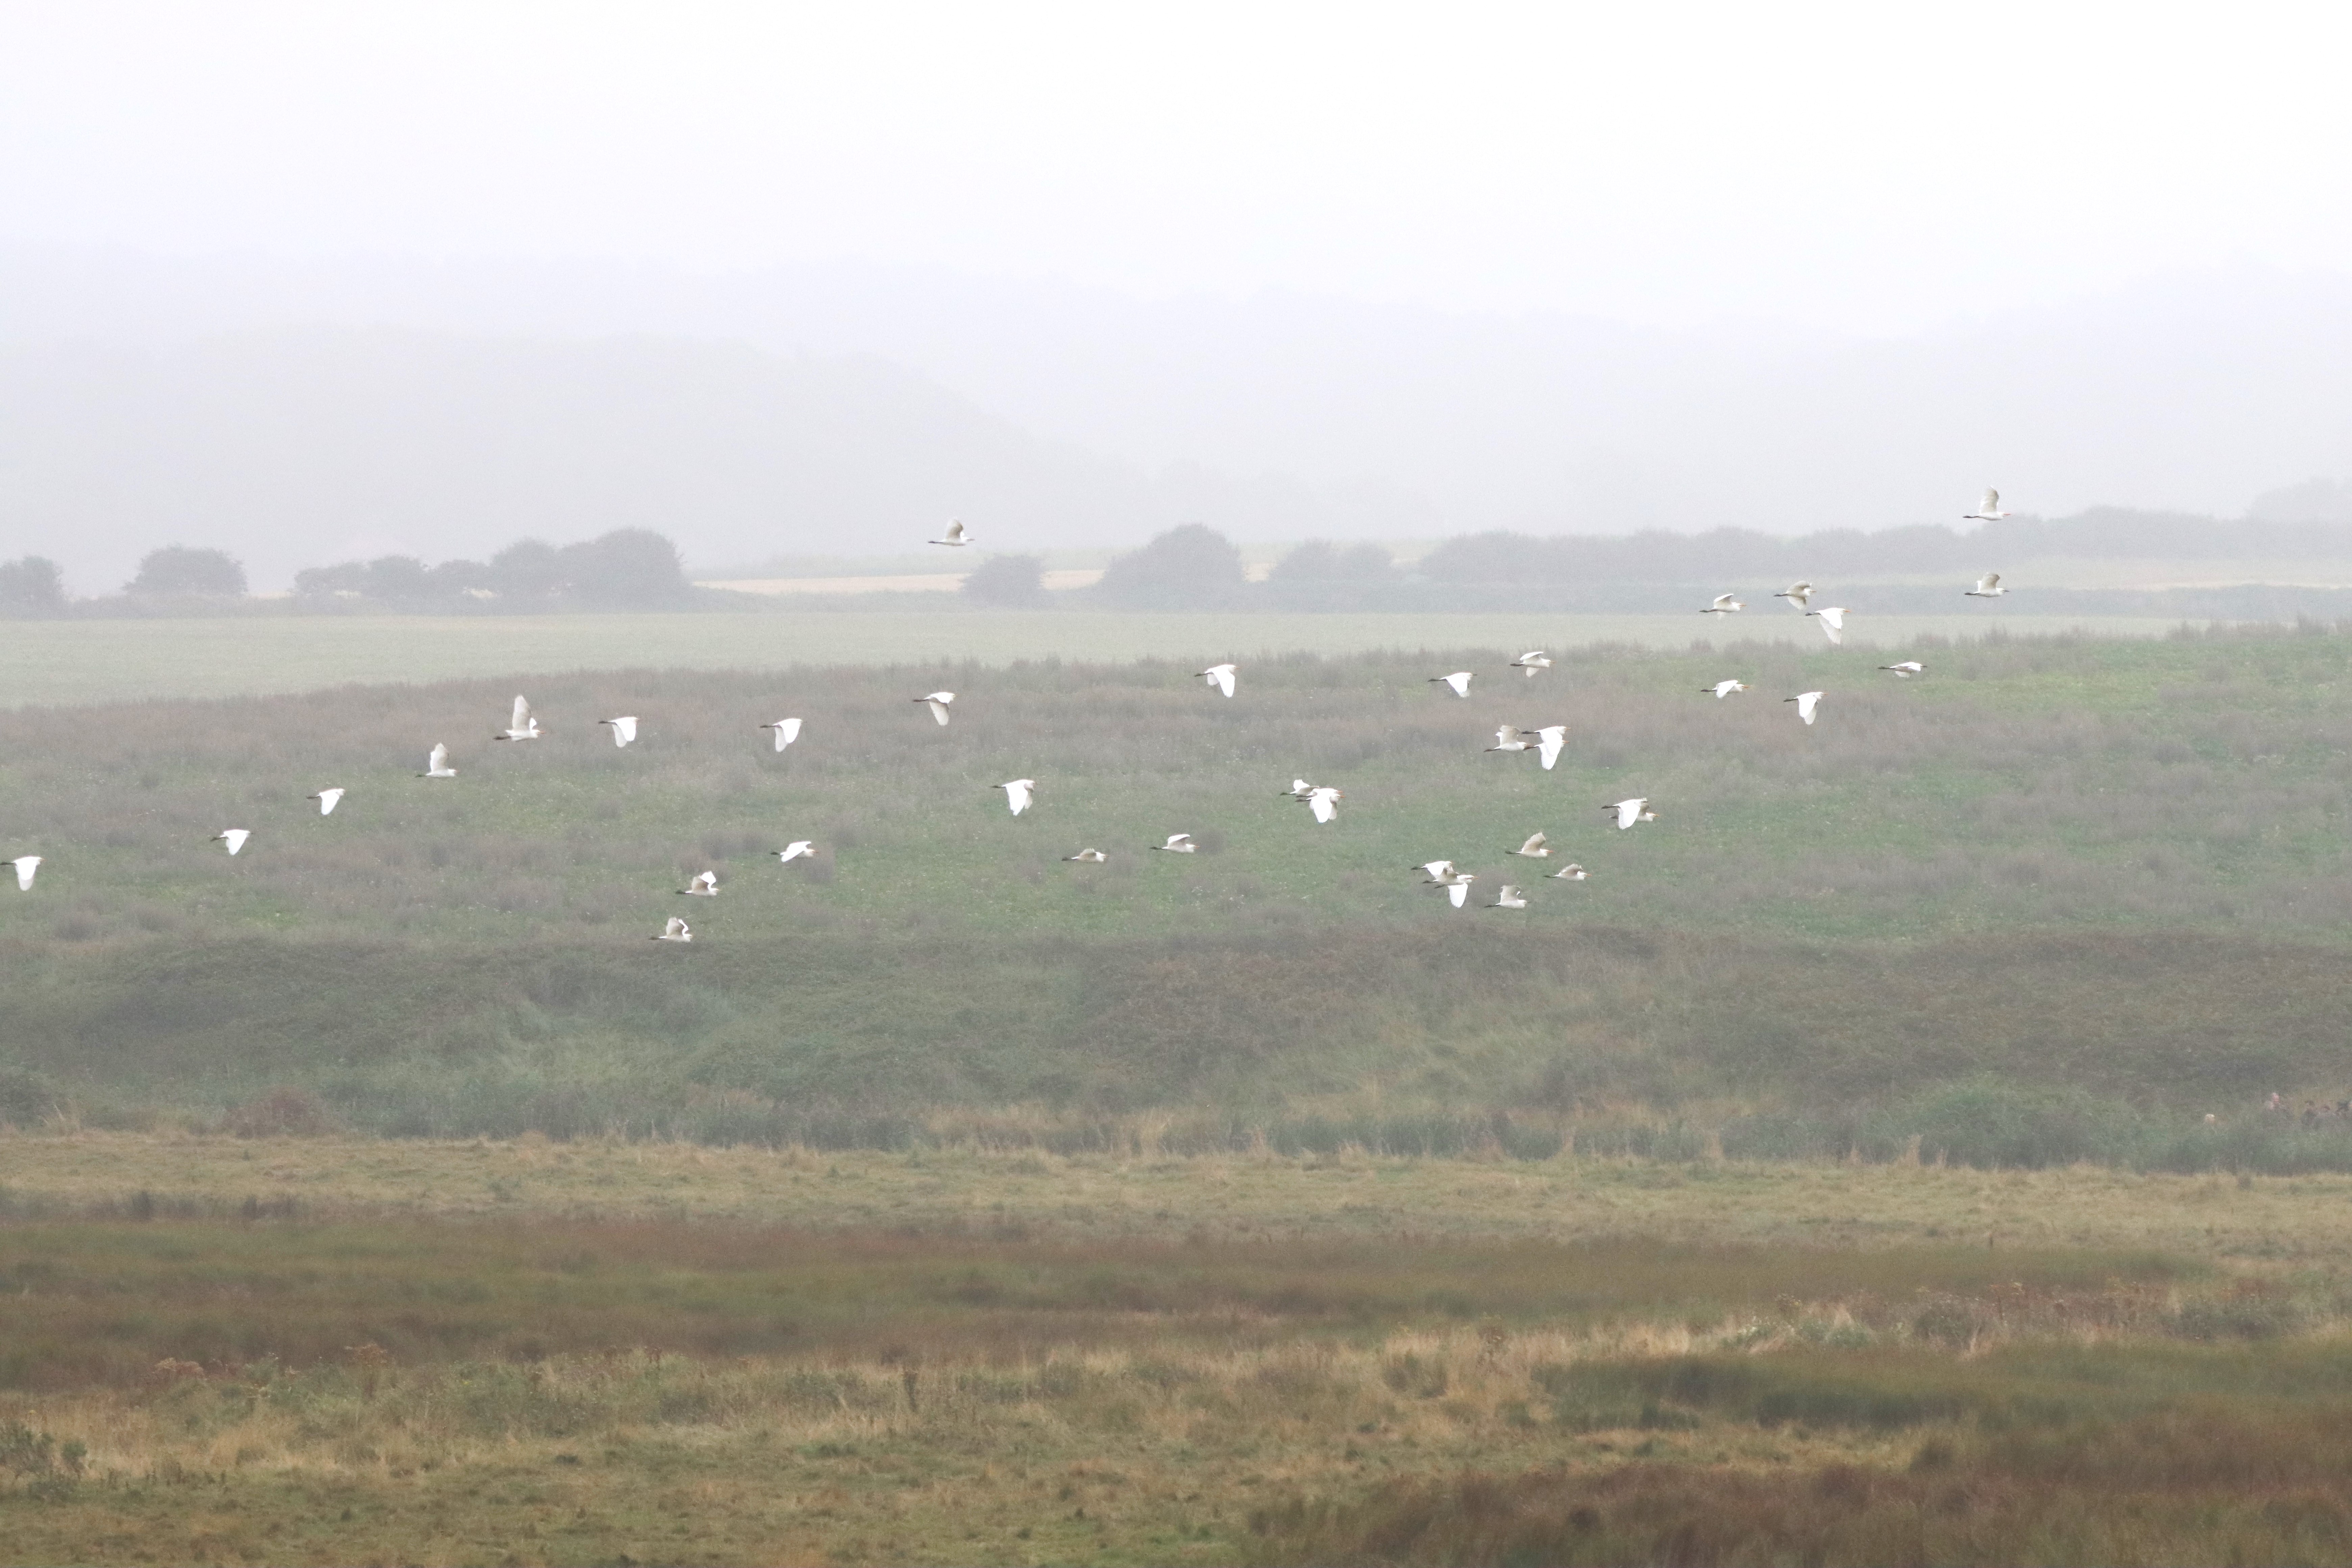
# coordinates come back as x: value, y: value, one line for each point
x: 2194, y: 393
x: 300, y: 446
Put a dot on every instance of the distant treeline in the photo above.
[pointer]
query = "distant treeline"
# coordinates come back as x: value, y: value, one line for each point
x: 627, y: 569
x: 1194, y: 567
x: 2104, y: 532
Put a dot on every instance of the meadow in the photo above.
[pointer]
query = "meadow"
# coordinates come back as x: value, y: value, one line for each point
x: 1865, y: 1166
x: 297, y: 1350
x: 2058, y: 899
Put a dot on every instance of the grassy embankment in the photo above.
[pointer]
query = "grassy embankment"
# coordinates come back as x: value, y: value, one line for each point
x: 2110, y: 876
x: 337, y: 1351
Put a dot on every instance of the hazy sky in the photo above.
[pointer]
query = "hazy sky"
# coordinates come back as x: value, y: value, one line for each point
x: 1873, y: 167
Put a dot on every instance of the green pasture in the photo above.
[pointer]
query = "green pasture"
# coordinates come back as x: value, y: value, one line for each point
x: 2111, y: 867
x: 64, y: 662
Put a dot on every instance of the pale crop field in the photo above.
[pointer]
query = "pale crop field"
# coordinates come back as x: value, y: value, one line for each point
x: 62, y: 662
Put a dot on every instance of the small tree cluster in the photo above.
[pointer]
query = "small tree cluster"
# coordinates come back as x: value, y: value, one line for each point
x: 1192, y: 567
x: 630, y: 568
x: 1008, y: 581
x: 179, y: 571
x: 32, y: 586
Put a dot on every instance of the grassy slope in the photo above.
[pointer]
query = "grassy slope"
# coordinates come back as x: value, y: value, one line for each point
x: 2120, y: 864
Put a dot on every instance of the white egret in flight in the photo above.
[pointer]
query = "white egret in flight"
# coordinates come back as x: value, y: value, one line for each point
x: 1988, y: 511
x: 522, y: 726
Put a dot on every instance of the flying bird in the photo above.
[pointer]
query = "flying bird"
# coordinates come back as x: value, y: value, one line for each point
x: 523, y: 726
x: 938, y: 703
x: 1806, y: 702
x: 327, y: 799
x: 1550, y: 741
x: 1571, y: 872
x: 1219, y: 675
x: 1906, y: 670
x: 1506, y: 897
x: 956, y: 536
x: 1324, y: 802
x: 234, y: 838
x: 26, y: 865
x: 787, y: 732
x: 1531, y: 662
x: 1437, y: 871
x: 624, y: 728
x: 1723, y: 689
x: 436, y: 764
x: 1459, y: 680
x: 1832, y: 621
x: 1299, y: 789
x: 676, y: 930
x: 1017, y: 794
x: 1457, y: 886
x: 1506, y: 738
x: 1179, y: 844
x: 705, y: 885
x: 1988, y: 511
x: 1797, y: 593
x: 1088, y: 857
x: 1987, y: 587
x: 1630, y: 812
x: 1725, y: 605
x: 1535, y: 848
x: 793, y: 851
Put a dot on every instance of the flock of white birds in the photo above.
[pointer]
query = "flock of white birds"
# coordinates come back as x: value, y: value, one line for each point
x: 1322, y: 801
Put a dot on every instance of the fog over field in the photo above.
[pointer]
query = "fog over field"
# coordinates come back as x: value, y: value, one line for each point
x: 301, y: 411
x: 1793, y: 1007
x: 776, y: 284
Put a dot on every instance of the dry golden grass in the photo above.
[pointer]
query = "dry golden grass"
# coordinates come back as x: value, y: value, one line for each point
x: 2270, y: 1221
x: 534, y: 1351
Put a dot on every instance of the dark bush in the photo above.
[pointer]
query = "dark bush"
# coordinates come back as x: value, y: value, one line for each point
x: 179, y: 570
x: 1011, y: 582
x: 32, y: 586
x: 1192, y: 567
x: 527, y: 569
x: 629, y: 567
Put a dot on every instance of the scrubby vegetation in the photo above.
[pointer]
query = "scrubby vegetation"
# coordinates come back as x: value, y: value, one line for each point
x: 316, y: 1348
x: 2060, y: 899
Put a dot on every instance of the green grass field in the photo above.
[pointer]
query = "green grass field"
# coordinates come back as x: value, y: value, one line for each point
x: 64, y: 662
x: 1827, y: 1179
x: 2101, y: 867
